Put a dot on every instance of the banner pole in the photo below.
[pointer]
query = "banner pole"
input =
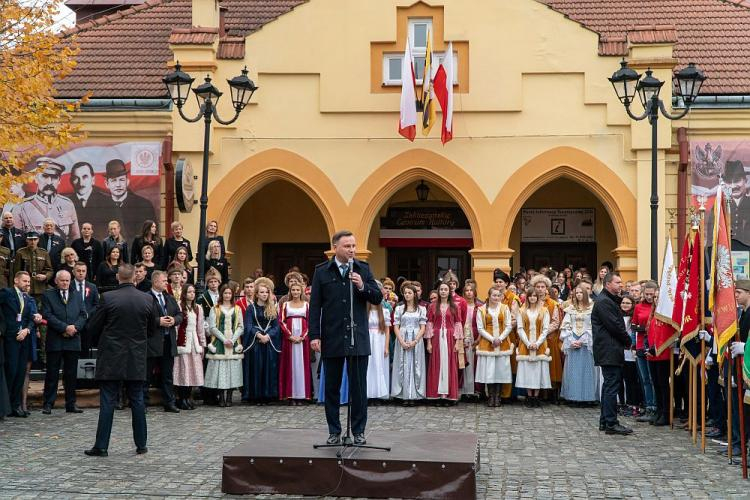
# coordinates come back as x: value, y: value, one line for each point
x: 671, y: 389
x: 702, y: 312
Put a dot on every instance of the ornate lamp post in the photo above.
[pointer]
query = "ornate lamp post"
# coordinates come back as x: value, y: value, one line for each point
x: 178, y: 85
x: 627, y: 82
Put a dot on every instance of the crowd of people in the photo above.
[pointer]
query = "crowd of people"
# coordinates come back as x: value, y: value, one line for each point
x: 531, y: 337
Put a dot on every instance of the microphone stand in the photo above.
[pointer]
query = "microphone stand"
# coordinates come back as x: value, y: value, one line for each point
x: 347, y: 441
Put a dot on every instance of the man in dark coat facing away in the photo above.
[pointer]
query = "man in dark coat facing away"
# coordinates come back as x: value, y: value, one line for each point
x: 126, y: 319
x: 610, y: 341
x: 330, y: 331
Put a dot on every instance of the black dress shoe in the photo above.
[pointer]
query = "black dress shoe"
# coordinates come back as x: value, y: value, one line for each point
x: 18, y: 413
x: 602, y: 427
x: 618, y: 429
x: 171, y: 409
x: 73, y: 409
x: 359, y: 439
x: 334, y: 439
x: 661, y: 421
x: 26, y: 413
x: 96, y: 452
x: 141, y: 451
x: 47, y: 410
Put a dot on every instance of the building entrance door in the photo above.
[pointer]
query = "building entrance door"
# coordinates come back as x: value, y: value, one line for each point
x: 428, y: 265
x: 558, y: 255
x: 279, y: 257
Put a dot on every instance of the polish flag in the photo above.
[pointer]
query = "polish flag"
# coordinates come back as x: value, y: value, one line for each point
x: 443, y: 84
x: 407, y: 125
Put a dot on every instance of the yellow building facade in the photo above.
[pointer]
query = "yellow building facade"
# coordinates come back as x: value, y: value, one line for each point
x: 536, y: 126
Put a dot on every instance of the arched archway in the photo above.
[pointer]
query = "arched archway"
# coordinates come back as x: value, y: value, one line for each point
x: 251, y: 174
x: 585, y: 170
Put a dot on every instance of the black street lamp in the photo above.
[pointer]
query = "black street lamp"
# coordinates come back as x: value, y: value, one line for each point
x: 627, y: 83
x: 178, y: 85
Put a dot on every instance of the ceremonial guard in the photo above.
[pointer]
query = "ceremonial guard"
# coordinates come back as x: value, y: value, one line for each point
x: 263, y: 340
x: 36, y: 262
x: 409, y: 375
x: 495, y: 348
x: 445, y: 340
x: 295, y: 381
x: 579, y: 375
x: 533, y: 353
x: 225, y: 352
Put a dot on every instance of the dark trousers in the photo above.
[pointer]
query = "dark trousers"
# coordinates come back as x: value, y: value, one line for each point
x: 166, y: 366
x: 633, y: 395
x: 109, y: 392
x: 357, y: 372
x: 69, y: 359
x: 660, y: 379
x: 681, y: 390
x: 17, y: 355
x: 612, y: 380
x: 717, y: 405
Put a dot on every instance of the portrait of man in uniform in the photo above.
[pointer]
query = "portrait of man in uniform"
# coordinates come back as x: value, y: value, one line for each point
x: 735, y: 179
x: 130, y: 209
x: 92, y: 204
x: 48, y: 203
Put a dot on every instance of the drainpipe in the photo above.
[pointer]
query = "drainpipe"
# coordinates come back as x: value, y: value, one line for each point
x: 682, y: 181
x: 166, y: 154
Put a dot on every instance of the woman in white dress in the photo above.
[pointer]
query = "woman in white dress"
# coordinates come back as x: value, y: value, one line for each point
x: 378, y: 374
x: 294, y: 369
x: 224, y: 370
x: 495, y: 348
x: 409, y: 372
x: 471, y: 338
x: 533, y: 354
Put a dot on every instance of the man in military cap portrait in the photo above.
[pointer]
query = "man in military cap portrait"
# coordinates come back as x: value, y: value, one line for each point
x: 48, y: 203
x: 130, y: 209
x: 36, y: 262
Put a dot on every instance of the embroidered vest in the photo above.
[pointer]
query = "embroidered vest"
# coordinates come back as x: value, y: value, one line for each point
x: 484, y: 344
x: 522, y: 349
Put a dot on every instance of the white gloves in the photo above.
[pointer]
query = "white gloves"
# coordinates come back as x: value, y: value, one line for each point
x: 738, y: 349
x: 709, y: 360
x: 704, y: 335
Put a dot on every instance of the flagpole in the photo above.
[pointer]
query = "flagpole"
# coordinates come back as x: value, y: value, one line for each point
x: 702, y: 312
x: 671, y: 388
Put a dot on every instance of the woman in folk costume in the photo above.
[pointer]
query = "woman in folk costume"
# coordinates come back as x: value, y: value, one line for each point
x: 445, y: 340
x: 471, y: 337
x: 495, y: 348
x: 532, y: 352
x: 264, y: 344
x: 295, y: 383
x: 513, y: 301
x: 409, y: 376
x: 542, y: 285
x: 378, y: 369
x: 191, y: 342
x: 224, y: 371
x: 579, y: 375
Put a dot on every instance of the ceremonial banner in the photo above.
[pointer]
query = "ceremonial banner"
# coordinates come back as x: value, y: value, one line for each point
x: 686, y: 312
x: 721, y: 300
x: 666, y: 301
x: 94, y: 183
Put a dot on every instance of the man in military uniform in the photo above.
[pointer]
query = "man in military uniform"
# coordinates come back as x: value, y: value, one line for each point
x: 47, y: 203
x: 5, y: 263
x: 34, y: 261
x: 130, y: 209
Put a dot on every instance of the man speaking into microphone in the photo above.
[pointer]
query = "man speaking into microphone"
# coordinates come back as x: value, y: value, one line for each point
x: 331, y: 331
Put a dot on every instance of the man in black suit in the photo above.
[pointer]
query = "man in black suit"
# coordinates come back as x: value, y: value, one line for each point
x: 13, y: 238
x: 163, y: 348
x: 130, y: 209
x: 126, y: 319
x: 19, y: 327
x: 66, y: 316
x: 331, y: 335
x: 142, y: 283
x: 90, y: 297
x: 51, y: 242
x: 92, y: 205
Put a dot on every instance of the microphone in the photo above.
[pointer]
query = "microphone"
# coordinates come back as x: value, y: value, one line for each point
x: 350, y: 262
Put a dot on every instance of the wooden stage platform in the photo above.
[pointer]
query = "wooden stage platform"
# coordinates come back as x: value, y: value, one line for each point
x: 419, y: 465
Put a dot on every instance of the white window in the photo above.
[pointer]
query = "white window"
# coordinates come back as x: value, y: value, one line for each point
x: 392, y: 67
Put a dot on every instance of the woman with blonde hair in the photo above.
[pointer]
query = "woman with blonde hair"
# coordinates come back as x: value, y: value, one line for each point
x: 532, y: 353
x: 115, y: 239
x: 378, y: 372
x: 579, y: 374
x: 295, y: 378
x: 495, y: 348
x: 263, y: 340
x: 409, y: 371
x: 217, y: 261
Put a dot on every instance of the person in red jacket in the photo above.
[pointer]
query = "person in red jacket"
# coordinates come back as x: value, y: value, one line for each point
x: 641, y: 315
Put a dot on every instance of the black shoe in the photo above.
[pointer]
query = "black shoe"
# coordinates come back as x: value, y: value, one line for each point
x: 647, y: 418
x: 141, y: 451
x: 18, y: 413
x: 715, y: 433
x: 334, y: 439
x: 47, y: 410
x: 661, y: 421
x: 190, y: 404
x: 26, y: 413
x: 229, y: 397
x: 359, y: 439
x: 618, y: 429
x: 182, y: 404
x: 96, y: 452
x: 73, y: 409
x: 171, y: 409
x: 602, y: 427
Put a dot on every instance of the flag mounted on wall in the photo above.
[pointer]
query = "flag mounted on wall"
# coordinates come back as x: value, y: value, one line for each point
x: 407, y: 125
x: 429, y: 113
x: 443, y: 85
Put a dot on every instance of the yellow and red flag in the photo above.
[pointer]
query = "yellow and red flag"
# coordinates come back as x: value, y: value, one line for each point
x: 429, y: 113
x: 721, y: 300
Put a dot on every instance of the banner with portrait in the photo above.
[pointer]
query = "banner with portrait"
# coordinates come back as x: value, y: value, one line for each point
x: 92, y: 183
x: 727, y: 161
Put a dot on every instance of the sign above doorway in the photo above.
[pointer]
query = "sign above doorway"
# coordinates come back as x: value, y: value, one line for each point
x: 569, y: 225
x: 412, y: 227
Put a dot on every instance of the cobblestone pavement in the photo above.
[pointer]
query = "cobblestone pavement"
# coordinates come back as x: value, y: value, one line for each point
x: 560, y: 455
